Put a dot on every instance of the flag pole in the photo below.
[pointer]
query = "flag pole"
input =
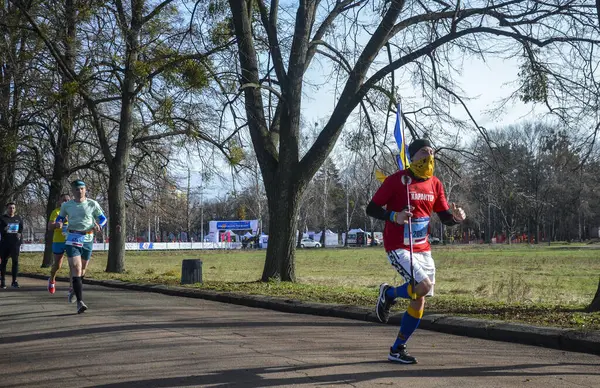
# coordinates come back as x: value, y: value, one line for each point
x: 410, y: 239
x: 408, y: 182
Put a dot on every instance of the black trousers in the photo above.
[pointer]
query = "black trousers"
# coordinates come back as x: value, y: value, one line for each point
x: 12, y: 251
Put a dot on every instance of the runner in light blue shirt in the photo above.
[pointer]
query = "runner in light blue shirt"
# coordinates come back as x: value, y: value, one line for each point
x: 85, y: 217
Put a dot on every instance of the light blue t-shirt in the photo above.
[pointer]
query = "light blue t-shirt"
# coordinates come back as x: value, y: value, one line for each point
x: 82, y: 215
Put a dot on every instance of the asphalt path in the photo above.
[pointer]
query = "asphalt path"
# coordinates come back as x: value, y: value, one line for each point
x: 138, y: 339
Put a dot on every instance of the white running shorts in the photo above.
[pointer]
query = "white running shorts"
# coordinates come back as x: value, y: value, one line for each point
x: 423, y: 266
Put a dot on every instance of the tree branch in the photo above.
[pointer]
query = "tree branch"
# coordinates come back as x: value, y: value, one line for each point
x: 266, y: 152
x: 340, y: 6
x: 191, y: 131
x: 271, y: 29
x: 273, y: 11
x: 346, y: 103
x: 73, y: 77
x: 121, y: 17
x: 54, y: 51
x: 305, y: 19
x: 429, y: 48
x: 339, y: 56
x: 267, y: 87
x: 93, y: 164
x: 458, y: 15
x: 156, y: 11
x: 177, y: 60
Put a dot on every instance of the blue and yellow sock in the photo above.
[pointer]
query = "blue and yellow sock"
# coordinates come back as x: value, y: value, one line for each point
x: 410, y: 322
x: 404, y: 291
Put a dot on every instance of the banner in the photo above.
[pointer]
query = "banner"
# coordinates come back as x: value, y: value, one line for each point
x: 149, y: 246
x: 233, y: 225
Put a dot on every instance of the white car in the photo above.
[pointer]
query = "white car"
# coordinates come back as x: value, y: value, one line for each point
x: 309, y: 243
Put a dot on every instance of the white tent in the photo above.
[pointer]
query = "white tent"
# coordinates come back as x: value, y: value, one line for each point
x: 352, y: 238
x: 263, y: 241
x: 331, y: 238
x: 248, y: 235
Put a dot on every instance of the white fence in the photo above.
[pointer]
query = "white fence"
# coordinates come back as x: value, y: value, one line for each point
x: 150, y: 246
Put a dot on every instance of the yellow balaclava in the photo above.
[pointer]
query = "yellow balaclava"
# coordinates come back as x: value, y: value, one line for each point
x: 423, y: 168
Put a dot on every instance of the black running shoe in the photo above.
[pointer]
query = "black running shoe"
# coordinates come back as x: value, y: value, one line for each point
x: 71, y: 296
x: 15, y: 284
x: 81, y: 307
x: 383, y: 304
x: 401, y: 355
x: 3, y: 286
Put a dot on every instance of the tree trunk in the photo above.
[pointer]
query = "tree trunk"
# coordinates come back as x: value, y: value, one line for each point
x: 7, y: 176
x: 598, y: 10
x: 489, y: 220
x: 276, y: 143
x: 347, y: 216
x: 325, y: 213
x: 10, y: 109
x: 59, y: 173
x: 116, y: 184
x: 116, y: 188
x: 8, y: 150
x: 120, y: 162
x: 346, y: 238
x: 281, y: 249
x: 595, y: 305
x: 579, y: 228
x: 300, y: 234
x: 60, y: 169
x: 116, y: 222
x: 48, y: 257
x: 372, y: 229
x: 53, y: 197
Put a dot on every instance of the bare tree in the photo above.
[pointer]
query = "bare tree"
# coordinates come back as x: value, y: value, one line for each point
x: 16, y: 84
x: 425, y: 40
x: 62, y: 139
x: 135, y: 72
x: 595, y: 305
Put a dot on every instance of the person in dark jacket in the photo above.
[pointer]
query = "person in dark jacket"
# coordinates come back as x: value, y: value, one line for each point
x: 11, y: 231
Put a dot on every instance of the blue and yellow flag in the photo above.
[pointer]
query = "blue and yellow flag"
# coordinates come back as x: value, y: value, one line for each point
x: 402, y: 158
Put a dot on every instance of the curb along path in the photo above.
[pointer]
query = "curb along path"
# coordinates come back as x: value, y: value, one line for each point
x: 557, y: 338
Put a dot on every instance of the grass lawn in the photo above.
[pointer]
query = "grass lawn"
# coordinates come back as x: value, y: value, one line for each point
x: 540, y: 285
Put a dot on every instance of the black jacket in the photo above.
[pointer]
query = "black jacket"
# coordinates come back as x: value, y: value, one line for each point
x: 12, y: 235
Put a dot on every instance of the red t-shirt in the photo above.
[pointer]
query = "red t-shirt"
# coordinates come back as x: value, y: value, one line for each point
x: 426, y: 197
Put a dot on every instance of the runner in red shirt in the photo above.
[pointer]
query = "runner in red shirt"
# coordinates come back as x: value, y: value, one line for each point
x: 426, y: 196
